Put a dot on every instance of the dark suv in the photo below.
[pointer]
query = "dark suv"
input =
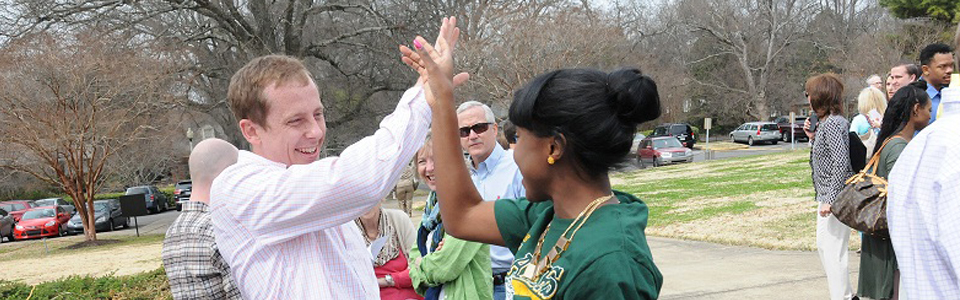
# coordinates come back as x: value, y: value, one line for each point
x: 791, y: 131
x: 156, y: 200
x: 181, y: 192
x: 683, y: 132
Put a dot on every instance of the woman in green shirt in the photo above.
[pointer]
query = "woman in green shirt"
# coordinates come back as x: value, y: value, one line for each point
x: 907, y: 113
x: 573, y: 236
x: 444, y: 267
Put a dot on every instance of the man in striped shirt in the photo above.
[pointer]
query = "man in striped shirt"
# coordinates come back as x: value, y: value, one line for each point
x: 282, y: 218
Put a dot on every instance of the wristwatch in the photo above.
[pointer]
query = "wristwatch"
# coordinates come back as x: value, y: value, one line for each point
x: 389, y: 280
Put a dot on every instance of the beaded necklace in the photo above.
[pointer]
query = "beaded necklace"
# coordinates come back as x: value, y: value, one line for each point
x: 538, y: 266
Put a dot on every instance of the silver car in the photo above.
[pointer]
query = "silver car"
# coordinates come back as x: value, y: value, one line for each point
x: 6, y: 225
x: 755, y: 132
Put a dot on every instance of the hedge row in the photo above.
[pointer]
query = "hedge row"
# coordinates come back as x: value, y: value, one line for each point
x: 167, y: 190
x: 146, y: 285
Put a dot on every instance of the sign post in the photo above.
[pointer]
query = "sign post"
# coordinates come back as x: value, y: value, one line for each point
x: 133, y: 206
x: 793, y: 142
x: 707, y: 123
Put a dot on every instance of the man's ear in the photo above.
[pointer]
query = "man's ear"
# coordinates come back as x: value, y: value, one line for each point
x: 924, y: 69
x: 251, y: 131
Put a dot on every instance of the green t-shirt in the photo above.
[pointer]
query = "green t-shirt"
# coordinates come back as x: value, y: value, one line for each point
x: 608, y: 258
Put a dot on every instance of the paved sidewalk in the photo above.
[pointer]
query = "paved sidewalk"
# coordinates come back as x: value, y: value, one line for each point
x: 699, y: 270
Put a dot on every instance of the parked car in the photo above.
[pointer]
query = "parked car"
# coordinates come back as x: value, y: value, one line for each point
x: 42, y: 221
x: 662, y: 150
x: 785, y: 128
x: 156, y: 200
x: 67, y: 206
x: 106, y: 214
x: 6, y: 225
x: 756, y: 132
x: 181, y: 192
x: 683, y: 132
x: 16, y: 208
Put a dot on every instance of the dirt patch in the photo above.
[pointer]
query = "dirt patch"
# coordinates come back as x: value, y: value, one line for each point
x: 122, y: 260
x: 86, y: 244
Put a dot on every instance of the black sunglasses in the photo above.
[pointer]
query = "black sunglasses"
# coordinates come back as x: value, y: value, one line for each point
x: 478, y: 128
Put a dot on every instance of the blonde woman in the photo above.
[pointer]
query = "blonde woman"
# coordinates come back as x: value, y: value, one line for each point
x: 871, y: 104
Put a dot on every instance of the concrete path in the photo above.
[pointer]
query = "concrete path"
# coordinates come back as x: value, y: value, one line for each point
x: 698, y: 270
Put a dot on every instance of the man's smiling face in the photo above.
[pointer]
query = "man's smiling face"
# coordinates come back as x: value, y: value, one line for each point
x: 294, y: 127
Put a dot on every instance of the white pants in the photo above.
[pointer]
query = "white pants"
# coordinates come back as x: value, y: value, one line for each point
x: 833, y: 238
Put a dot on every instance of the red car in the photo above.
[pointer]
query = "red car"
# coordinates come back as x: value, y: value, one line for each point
x: 662, y: 150
x: 42, y: 222
x: 17, y: 208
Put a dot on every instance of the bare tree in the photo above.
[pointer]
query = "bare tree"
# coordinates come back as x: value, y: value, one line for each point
x: 71, y: 102
x: 349, y: 45
x: 755, y: 33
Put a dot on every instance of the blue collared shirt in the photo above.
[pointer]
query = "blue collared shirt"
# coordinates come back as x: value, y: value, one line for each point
x: 935, y: 99
x: 498, y: 177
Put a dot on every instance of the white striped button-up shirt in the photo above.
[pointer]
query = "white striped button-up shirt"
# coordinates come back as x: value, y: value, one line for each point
x: 287, y: 232
x: 923, y: 212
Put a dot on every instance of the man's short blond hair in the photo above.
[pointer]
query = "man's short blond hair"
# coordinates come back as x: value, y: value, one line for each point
x: 245, y: 93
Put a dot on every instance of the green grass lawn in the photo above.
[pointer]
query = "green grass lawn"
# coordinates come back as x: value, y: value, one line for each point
x: 762, y: 201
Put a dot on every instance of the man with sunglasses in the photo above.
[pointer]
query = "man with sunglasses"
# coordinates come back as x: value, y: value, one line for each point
x: 494, y: 173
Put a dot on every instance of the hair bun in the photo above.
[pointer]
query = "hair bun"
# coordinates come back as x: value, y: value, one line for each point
x: 633, y: 96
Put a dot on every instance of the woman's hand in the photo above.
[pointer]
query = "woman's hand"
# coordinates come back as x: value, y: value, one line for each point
x: 806, y: 129
x: 435, y: 64
x: 824, y: 209
x: 382, y: 282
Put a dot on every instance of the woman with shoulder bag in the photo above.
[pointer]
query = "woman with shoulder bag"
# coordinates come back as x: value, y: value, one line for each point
x: 908, y: 112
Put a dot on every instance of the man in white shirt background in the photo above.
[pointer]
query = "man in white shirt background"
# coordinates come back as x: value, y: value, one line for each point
x: 924, y: 204
x: 282, y: 218
x: 494, y: 173
x: 900, y: 76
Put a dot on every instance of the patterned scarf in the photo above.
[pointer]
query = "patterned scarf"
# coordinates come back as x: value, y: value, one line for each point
x: 431, y: 224
x: 431, y: 212
x: 391, y: 249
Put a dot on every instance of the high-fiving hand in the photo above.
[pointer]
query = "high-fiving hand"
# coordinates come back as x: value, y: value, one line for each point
x: 435, y: 63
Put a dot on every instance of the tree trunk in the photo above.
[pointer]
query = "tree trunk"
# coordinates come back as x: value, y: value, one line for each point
x: 84, y: 208
x: 760, y: 110
x: 89, y: 227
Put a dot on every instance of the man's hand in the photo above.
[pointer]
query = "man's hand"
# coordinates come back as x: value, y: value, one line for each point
x: 440, y: 245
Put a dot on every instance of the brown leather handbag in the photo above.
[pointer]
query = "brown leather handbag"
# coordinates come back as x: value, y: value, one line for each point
x: 862, y: 204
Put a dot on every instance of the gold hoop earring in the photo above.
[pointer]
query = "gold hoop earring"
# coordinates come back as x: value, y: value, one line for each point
x: 550, y: 160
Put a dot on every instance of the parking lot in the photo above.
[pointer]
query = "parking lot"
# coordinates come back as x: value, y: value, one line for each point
x: 149, y: 224
x: 699, y: 153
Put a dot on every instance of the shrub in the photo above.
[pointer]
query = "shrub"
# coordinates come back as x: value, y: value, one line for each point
x: 146, y: 285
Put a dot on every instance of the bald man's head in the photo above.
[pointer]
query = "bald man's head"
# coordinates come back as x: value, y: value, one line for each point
x: 208, y: 159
